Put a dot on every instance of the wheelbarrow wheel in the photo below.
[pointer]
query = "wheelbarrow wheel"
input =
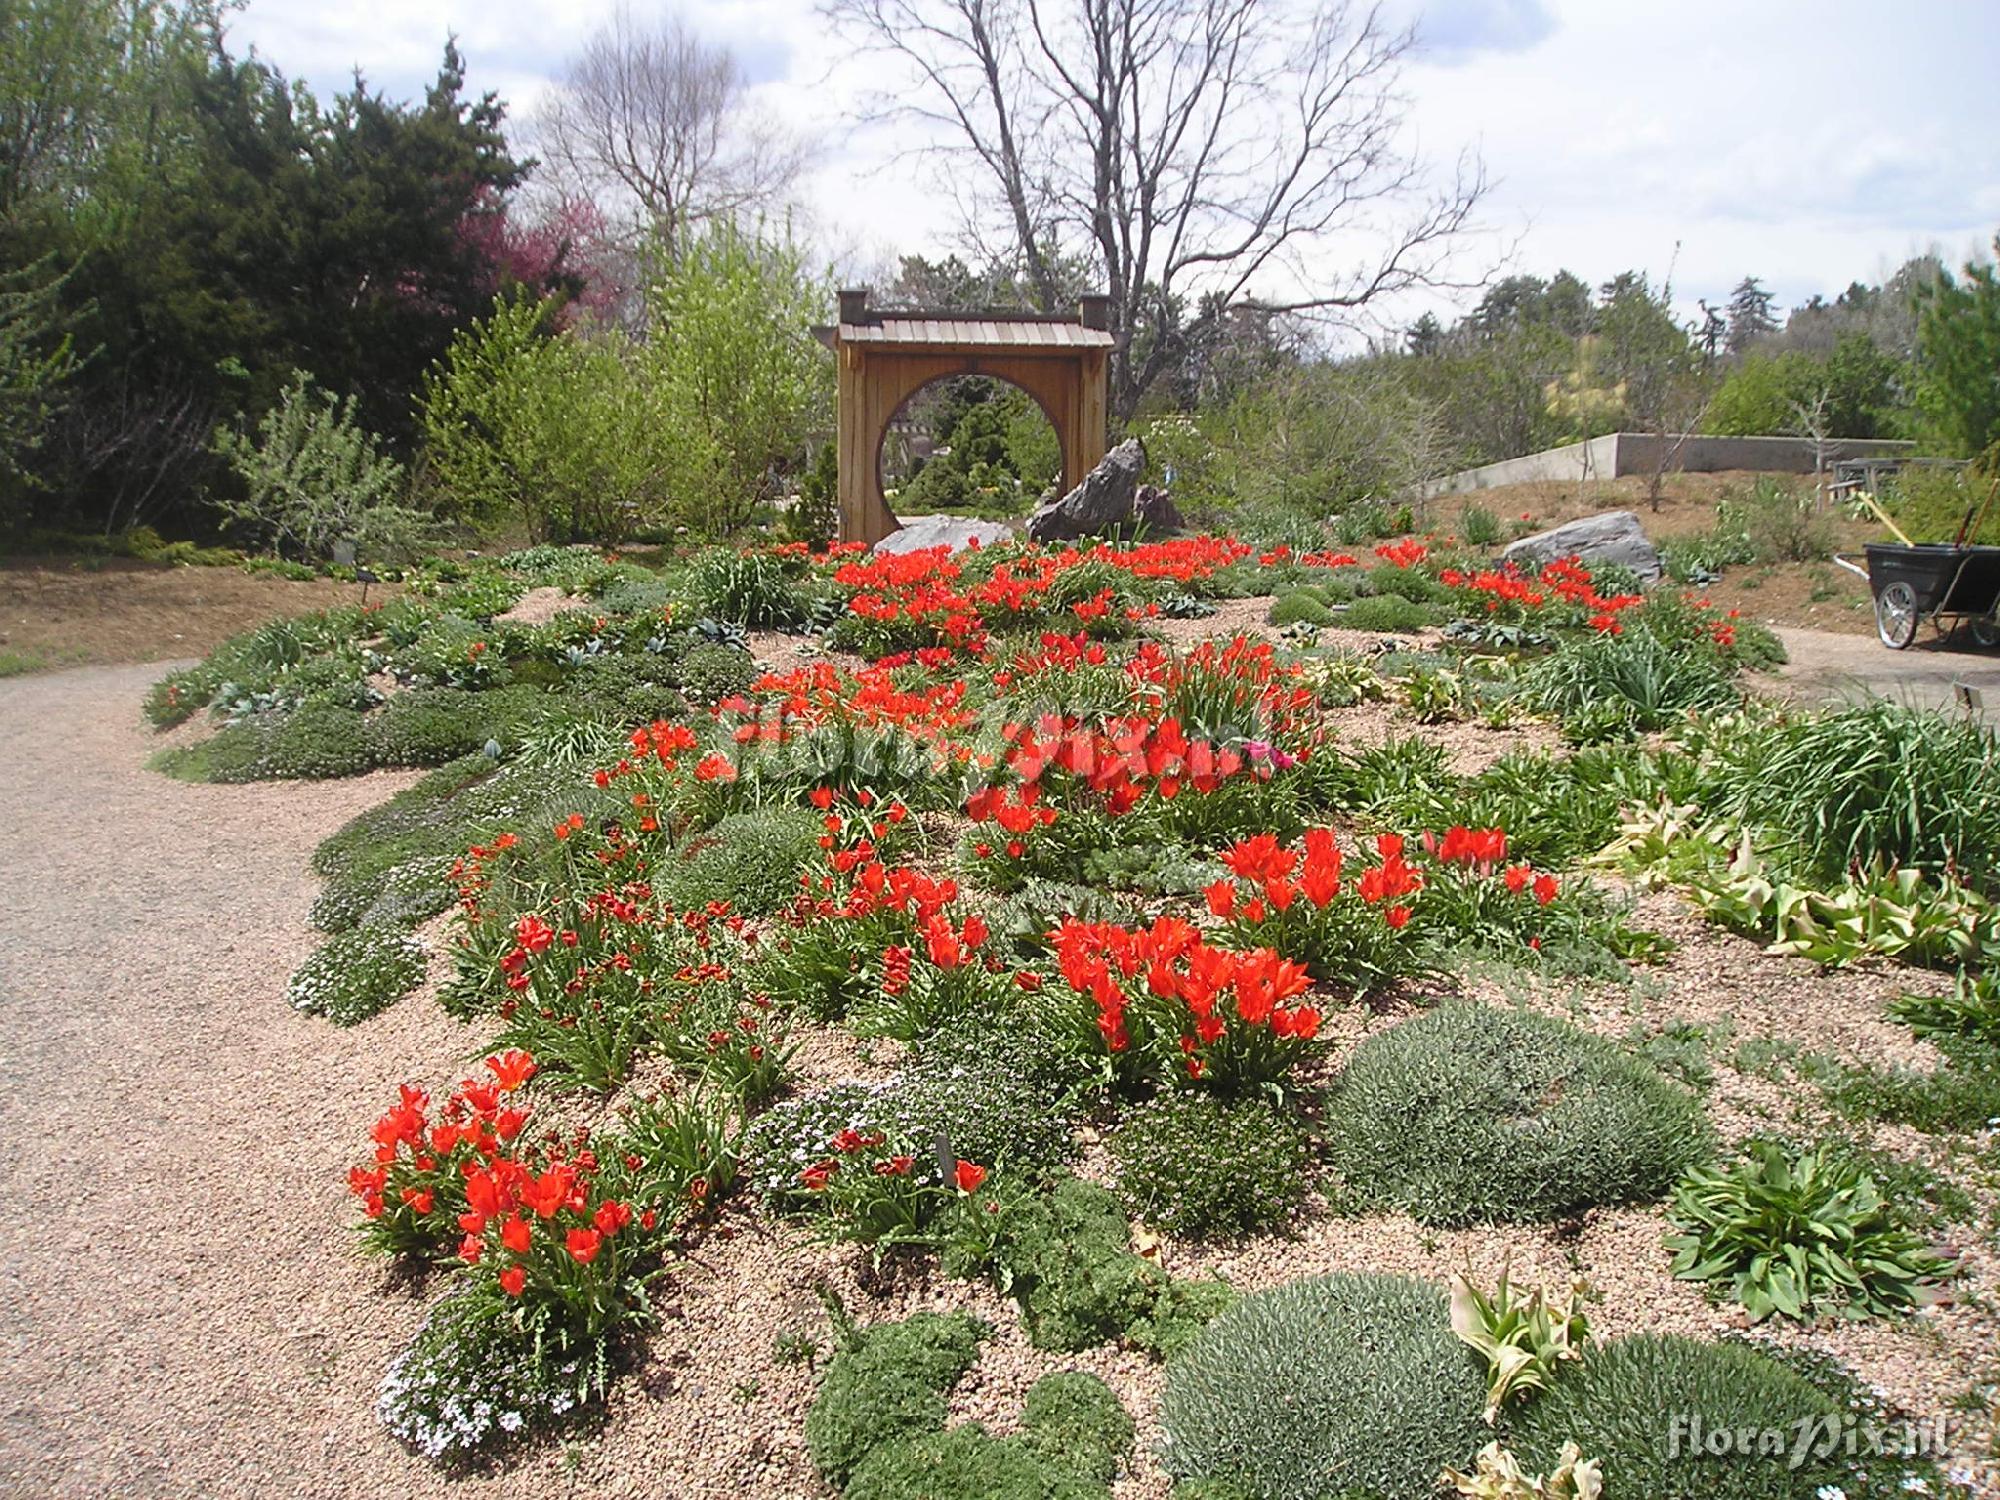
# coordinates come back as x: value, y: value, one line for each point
x: 1986, y: 628
x: 1896, y: 615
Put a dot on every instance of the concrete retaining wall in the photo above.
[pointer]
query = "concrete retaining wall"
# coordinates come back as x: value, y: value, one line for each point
x: 1620, y: 453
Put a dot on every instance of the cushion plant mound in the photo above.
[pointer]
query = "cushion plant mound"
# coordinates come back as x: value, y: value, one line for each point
x: 751, y: 860
x: 888, y: 1385
x: 1076, y: 1422
x: 1633, y: 1404
x: 1473, y: 1114
x: 1333, y: 1386
x: 1300, y: 607
x: 965, y: 1463
x: 1068, y: 1258
x: 1073, y: 1435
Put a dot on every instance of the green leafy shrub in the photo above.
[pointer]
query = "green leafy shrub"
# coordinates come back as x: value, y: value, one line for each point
x: 1073, y: 1434
x: 313, y: 477
x: 888, y: 1382
x: 1785, y: 524
x: 1633, y: 1403
x: 751, y: 860
x: 1300, y: 608
x: 471, y: 1379
x: 1930, y: 503
x: 1801, y: 1233
x: 357, y: 975
x: 429, y: 726
x: 1473, y: 1114
x: 1480, y: 525
x: 1196, y: 1165
x: 1880, y: 782
x: 555, y: 429
x: 1332, y: 1386
x: 1387, y: 614
x: 1066, y: 1256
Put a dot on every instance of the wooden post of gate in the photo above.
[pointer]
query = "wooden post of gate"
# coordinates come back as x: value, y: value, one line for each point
x: 884, y: 356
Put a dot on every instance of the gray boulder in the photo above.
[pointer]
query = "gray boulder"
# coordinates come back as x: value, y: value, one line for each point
x: 955, y: 532
x: 1100, y: 506
x: 1613, y: 537
x: 1153, y: 509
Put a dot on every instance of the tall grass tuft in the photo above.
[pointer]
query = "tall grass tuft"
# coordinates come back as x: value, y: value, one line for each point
x: 1881, y: 782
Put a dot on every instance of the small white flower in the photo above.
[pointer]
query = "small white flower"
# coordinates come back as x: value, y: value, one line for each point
x: 1830, y: 1492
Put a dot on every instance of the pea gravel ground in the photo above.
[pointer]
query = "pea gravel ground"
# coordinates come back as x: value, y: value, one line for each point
x: 185, y: 1316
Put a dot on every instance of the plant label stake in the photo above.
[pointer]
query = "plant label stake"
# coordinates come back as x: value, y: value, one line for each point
x: 945, y: 1160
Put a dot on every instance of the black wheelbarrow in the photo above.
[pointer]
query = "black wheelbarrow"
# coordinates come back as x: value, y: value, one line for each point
x: 1933, y: 581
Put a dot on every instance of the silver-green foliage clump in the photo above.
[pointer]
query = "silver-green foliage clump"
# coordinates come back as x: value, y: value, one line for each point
x: 1332, y: 1386
x: 1632, y: 1405
x: 1472, y: 1114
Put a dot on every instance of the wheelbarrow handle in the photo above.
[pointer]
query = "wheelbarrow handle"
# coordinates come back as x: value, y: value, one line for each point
x: 1846, y: 560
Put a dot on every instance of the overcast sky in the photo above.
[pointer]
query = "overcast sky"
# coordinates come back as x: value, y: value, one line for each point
x: 1807, y: 142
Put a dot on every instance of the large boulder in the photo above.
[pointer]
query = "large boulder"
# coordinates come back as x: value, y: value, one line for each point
x: 955, y: 532
x: 1100, y: 506
x: 1613, y: 537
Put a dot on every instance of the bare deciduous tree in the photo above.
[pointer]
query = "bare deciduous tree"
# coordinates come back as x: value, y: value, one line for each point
x: 1185, y: 149
x: 658, y: 118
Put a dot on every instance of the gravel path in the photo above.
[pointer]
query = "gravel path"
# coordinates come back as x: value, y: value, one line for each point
x: 167, y: 1125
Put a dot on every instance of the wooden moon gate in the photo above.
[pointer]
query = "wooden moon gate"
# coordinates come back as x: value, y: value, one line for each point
x: 885, y: 357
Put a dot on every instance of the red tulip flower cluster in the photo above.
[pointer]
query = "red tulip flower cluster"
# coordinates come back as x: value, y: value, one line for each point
x: 1361, y: 927
x: 1166, y: 1002
x: 533, y: 1216
x: 414, y: 1188
x: 1523, y: 598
